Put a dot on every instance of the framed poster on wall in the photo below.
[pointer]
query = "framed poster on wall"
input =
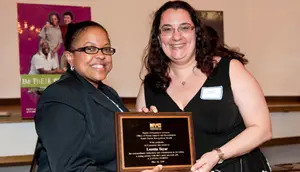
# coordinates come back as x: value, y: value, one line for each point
x: 41, y: 30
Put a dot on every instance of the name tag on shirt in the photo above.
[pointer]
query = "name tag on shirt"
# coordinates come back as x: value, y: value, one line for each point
x: 211, y: 93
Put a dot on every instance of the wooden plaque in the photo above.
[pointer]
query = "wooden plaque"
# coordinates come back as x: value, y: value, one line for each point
x: 144, y: 140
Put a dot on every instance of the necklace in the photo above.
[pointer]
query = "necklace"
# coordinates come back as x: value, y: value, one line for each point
x: 182, y: 79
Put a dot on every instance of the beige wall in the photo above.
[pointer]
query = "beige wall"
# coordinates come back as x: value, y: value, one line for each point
x: 272, y: 36
x: 267, y: 31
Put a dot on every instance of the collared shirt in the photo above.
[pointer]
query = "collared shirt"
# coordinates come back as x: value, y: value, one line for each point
x: 40, y: 61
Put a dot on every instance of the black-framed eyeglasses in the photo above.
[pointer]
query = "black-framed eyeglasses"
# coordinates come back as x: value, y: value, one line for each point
x: 95, y: 50
x: 168, y: 30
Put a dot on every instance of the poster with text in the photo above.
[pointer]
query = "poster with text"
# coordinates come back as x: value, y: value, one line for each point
x: 41, y: 31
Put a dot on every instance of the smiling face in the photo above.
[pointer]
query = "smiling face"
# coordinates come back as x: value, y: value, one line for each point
x: 54, y: 20
x: 67, y: 19
x: 93, y: 67
x: 180, y: 45
x: 45, y: 48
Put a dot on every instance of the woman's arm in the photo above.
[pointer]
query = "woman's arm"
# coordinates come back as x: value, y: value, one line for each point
x: 53, y: 71
x: 60, y: 42
x: 54, y: 51
x: 140, y: 100
x: 57, y: 47
x: 42, y: 34
x: 250, y: 100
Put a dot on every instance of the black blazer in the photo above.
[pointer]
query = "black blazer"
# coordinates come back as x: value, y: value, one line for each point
x: 75, y: 125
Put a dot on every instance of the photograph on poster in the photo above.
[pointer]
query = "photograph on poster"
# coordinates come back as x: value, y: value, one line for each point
x: 41, y: 31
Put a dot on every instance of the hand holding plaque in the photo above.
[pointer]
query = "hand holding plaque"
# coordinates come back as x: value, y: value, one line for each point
x: 157, y: 168
x: 144, y: 140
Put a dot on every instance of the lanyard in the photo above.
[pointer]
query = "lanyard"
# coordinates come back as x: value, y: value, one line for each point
x: 113, y: 103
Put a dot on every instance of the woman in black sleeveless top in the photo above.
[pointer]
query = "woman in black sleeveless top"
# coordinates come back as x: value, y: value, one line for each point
x: 190, y: 70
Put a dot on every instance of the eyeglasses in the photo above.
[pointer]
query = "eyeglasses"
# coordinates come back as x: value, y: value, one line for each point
x: 95, y: 50
x: 168, y: 30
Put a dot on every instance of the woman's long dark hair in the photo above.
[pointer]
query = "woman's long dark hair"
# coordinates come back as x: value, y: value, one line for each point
x: 207, y: 46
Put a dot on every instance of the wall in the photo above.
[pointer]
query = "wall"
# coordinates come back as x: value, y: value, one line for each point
x: 267, y: 31
x: 19, y: 139
x: 272, y: 41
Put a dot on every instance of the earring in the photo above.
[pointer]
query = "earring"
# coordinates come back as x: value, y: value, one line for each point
x: 72, y: 68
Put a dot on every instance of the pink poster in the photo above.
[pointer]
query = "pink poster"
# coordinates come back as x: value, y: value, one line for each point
x: 41, y: 30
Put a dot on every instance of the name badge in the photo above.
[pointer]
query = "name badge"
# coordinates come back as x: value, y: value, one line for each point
x: 211, y: 93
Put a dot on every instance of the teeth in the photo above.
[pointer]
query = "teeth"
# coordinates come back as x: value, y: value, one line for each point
x: 177, y: 46
x: 97, y: 66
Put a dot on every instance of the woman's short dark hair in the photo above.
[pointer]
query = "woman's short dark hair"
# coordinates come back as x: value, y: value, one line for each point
x: 68, y: 13
x: 53, y: 14
x: 75, y: 29
x: 155, y: 60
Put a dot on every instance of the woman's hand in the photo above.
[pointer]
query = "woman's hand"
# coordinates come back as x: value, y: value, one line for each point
x: 152, y: 109
x: 206, y: 162
x: 59, y: 71
x: 155, y: 169
x: 53, y: 53
x: 47, y: 25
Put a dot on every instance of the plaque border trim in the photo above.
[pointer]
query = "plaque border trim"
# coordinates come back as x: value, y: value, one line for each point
x: 119, y: 116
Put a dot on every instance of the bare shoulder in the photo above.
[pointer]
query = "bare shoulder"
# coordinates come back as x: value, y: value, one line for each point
x: 217, y: 58
x: 237, y: 69
x: 241, y: 79
x: 234, y: 63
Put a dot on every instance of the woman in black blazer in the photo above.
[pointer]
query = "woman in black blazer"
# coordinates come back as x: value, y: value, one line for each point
x: 75, y: 115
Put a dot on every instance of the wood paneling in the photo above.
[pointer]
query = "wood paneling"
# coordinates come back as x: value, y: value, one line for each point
x: 283, y: 104
x: 15, y: 160
x: 282, y: 141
